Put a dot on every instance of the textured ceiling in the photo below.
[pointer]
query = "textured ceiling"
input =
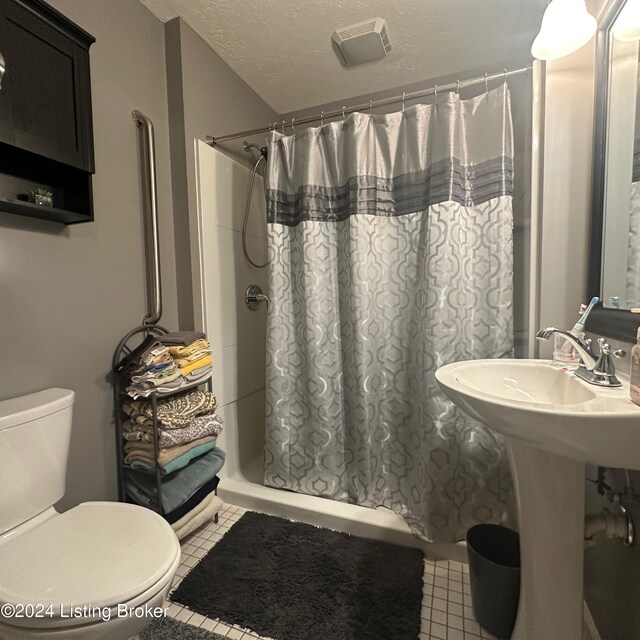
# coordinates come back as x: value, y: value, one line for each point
x: 282, y: 48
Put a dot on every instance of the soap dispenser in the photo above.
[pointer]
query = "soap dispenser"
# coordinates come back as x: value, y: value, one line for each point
x: 634, y: 383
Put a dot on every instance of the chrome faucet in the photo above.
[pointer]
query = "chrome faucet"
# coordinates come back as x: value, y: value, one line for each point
x: 594, y: 369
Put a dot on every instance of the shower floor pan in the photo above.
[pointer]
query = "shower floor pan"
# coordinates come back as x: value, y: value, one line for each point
x: 245, y: 489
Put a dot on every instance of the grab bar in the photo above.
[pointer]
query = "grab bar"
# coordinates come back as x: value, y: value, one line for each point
x: 154, y: 286
x: 3, y: 68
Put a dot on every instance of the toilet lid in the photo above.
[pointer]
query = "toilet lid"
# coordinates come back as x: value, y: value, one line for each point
x: 100, y: 554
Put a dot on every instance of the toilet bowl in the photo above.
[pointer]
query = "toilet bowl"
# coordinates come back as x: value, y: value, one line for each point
x: 100, y: 571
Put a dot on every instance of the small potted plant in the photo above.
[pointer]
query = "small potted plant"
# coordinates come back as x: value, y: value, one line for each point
x: 42, y: 197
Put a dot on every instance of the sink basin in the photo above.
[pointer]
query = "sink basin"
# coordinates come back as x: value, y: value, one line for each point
x: 520, y: 381
x: 544, y: 405
x: 553, y: 424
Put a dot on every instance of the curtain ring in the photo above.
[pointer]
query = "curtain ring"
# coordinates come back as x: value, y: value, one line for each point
x: 435, y: 90
x: 322, y: 118
x: 505, y: 74
x: 343, y: 110
x: 403, y: 102
x: 293, y: 126
x: 458, y: 87
x: 283, y: 127
x: 370, y: 106
x: 486, y: 84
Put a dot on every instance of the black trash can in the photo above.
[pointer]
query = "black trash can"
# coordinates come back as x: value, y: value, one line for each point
x: 494, y: 576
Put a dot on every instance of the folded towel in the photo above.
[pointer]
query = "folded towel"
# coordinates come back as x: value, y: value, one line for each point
x: 194, y: 500
x: 183, y: 338
x: 144, y: 451
x: 192, y: 521
x: 176, y: 463
x: 198, y: 374
x: 199, y: 427
x: 176, y: 487
x: 176, y: 411
x: 198, y: 364
x: 194, y: 511
x: 156, y: 356
x: 160, y: 367
x: 194, y: 357
x: 203, y: 421
x: 132, y: 360
x: 184, y: 352
x: 157, y: 378
x: 146, y: 388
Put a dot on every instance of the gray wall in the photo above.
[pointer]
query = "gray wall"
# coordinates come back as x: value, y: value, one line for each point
x: 68, y: 294
x: 205, y: 98
x: 612, y: 571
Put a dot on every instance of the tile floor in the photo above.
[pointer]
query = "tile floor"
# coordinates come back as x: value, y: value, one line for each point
x: 446, y: 603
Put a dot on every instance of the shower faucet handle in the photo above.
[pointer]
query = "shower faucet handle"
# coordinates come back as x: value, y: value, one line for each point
x: 253, y: 297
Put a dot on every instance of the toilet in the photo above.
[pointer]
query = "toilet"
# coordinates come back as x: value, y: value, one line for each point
x: 100, y: 571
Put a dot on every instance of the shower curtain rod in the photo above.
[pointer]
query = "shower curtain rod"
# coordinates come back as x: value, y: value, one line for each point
x: 452, y: 86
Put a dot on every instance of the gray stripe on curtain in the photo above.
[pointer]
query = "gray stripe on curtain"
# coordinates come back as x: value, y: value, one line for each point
x: 446, y: 181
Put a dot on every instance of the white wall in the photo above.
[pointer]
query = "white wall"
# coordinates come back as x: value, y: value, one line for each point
x: 566, y: 195
x: 237, y: 334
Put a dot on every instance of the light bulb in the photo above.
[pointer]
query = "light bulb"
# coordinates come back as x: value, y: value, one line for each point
x: 566, y: 26
x: 627, y: 26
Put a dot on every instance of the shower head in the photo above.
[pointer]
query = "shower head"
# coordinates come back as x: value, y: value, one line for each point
x: 248, y: 145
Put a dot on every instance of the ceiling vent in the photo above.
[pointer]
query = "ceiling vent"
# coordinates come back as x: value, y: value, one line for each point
x: 362, y: 42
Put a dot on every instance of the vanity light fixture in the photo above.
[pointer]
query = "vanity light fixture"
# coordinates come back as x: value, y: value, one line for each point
x: 566, y: 26
x: 627, y: 25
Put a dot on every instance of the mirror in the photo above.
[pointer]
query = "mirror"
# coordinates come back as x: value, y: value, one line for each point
x: 614, y: 273
x: 621, y: 239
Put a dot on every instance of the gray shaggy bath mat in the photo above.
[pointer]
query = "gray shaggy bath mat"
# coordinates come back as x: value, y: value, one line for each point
x: 169, y: 629
x: 292, y: 581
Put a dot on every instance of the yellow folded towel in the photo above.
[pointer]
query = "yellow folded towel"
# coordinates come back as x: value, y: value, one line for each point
x: 198, y: 364
x: 143, y: 451
x: 183, y: 362
x: 183, y: 352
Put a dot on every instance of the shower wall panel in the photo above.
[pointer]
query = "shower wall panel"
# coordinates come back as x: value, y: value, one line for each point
x: 237, y: 334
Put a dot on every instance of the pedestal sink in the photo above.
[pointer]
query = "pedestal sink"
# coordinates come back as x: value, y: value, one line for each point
x: 553, y: 423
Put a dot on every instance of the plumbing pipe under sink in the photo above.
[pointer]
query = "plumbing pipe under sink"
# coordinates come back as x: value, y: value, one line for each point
x: 615, y: 526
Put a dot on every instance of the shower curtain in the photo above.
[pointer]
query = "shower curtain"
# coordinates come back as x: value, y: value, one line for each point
x: 390, y: 244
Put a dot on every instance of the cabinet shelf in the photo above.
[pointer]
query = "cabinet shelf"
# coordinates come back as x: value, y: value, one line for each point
x: 20, y: 207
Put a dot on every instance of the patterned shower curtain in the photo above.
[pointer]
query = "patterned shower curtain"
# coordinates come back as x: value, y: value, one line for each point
x: 390, y: 241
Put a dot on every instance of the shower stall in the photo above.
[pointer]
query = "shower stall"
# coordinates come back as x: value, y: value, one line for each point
x: 238, y: 334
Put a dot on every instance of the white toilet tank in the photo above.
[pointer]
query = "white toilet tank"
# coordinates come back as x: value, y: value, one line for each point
x: 34, y: 445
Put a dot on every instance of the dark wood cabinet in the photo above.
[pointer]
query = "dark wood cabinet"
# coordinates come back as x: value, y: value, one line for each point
x: 46, y: 131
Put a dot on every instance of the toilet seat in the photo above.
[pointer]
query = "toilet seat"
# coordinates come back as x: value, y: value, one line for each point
x: 99, y: 555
